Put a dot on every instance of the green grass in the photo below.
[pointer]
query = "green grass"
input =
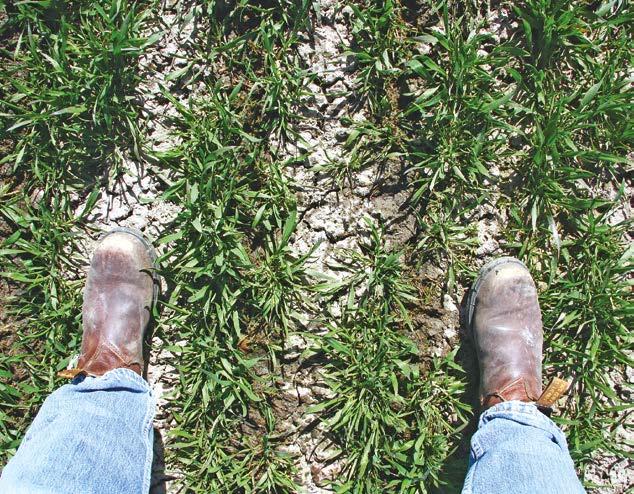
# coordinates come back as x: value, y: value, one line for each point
x: 542, y: 119
x: 67, y: 114
x: 535, y: 126
x: 391, y: 406
x: 232, y: 278
x: 69, y: 98
x: 37, y: 260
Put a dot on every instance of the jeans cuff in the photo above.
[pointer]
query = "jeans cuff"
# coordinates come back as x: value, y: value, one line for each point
x: 523, y: 413
x: 120, y: 375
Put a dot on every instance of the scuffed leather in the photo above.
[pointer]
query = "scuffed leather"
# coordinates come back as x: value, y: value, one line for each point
x: 117, y: 305
x: 507, y: 329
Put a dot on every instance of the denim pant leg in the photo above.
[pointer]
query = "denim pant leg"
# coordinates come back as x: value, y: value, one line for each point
x: 92, y: 436
x: 517, y: 450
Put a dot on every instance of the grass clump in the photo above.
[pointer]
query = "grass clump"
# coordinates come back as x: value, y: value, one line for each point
x: 446, y: 119
x: 69, y: 87
x: 236, y: 285
x: 380, y: 47
x: 586, y: 308
x: 575, y: 87
x: 390, y: 406
x: 38, y: 261
x: 253, y: 44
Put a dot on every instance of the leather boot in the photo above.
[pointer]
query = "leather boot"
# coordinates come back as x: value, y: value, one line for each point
x: 120, y: 291
x: 505, y: 321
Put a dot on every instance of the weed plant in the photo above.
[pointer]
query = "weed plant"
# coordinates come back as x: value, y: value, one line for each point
x: 235, y: 285
x: 69, y: 101
x: 390, y: 409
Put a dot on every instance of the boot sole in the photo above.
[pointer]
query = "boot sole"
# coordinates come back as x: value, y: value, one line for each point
x: 484, y: 272
x: 149, y: 249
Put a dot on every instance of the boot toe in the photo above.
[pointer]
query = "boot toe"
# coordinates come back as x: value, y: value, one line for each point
x: 121, y: 254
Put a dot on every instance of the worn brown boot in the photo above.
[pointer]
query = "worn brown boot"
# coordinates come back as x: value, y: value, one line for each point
x: 505, y: 321
x: 120, y: 291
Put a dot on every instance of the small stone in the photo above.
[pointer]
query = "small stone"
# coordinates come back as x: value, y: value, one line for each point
x: 336, y: 106
x: 119, y: 210
x: 448, y: 303
x: 450, y: 333
x: 305, y: 395
x: 317, y: 96
x: 321, y: 392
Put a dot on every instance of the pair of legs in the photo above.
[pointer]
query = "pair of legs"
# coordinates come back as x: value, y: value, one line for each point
x: 94, y: 435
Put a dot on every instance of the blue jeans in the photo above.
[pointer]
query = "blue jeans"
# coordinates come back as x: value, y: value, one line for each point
x: 92, y: 436
x: 518, y: 450
x: 95, y: 436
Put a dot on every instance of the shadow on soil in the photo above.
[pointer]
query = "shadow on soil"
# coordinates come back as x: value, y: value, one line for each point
x: 455, y: 468
x: 158, y: 480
